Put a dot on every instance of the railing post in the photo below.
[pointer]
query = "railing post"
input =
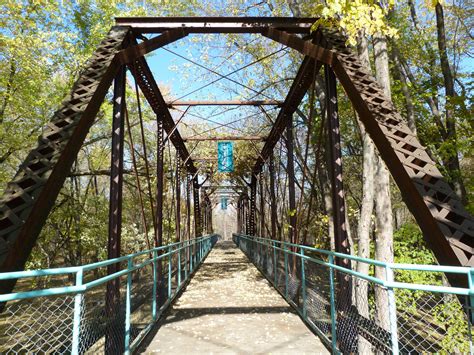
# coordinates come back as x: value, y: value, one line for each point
x: 286, y: 270
x: 471, y: 297
x: 303, y: 283
x: 155, y: 281
x: 275, y: 263
x: 186, y: 246
x: 170, y: 248
x: 392, y: 311
x: 128, y: 302
x: 179, y: 266
x: 333, y: 305
x: 191, y: 243
x: 76, y: 329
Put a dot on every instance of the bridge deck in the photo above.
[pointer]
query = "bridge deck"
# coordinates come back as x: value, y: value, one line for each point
x: 229, y: 307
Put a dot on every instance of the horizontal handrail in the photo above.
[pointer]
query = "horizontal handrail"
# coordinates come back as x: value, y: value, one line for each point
x: 285, y: 247
x: 338, y: 306
x: 170, y: 249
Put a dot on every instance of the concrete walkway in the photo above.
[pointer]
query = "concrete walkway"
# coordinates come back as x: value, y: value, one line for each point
x: 230, y: 308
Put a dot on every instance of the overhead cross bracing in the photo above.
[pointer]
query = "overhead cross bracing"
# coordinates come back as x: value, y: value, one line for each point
x: 25, y: 205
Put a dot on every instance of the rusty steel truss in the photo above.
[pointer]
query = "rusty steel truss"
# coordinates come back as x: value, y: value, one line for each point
x: 447, y: 226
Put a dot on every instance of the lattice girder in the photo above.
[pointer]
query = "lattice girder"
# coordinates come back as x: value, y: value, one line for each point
x: 447, y: 226
x: 29, y: 197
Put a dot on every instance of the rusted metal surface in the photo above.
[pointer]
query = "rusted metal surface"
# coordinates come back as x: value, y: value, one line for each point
x: 29, y: 197
x: 152, y: 93
x: 131, y: 53
x: 447, y: 227
x: 290, y: 169
x: 224, y: 138
x: 262, y: 206
x: 335, y: 170
x: 273, y: 203
x: 216, y: 24
x: 197, y: 208
x: 253, y: 207
x: 113, y: 335
x: 225, y: 103
x: 178, y: 197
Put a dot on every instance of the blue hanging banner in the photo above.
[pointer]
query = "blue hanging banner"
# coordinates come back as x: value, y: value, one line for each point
x: 225, y: 157
x: 223, y: 203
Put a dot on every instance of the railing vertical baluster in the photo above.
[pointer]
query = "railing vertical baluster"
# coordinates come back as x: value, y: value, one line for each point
x: 179, y: 266
x: 186, y: 260
x: 191, y: 256
x: 303, y: 283
x: 392, y: 311
x: 275, y: 263
x: 128, y: 302
x: 333, y: 305
x: 155, y: 281
x: 76, y: 328
x: 471, y: 297
x: 170, y: 249
x: 286, y: 270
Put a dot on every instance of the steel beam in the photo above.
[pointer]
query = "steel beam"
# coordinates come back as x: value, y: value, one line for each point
x: 253, y: 203
x: 216, y: 24
x: 29, y: 197
x: 172, y: 104
x: 152, y: 93
x: 178, y: 198
x: 337, y: 187
x: 129, y: 54
x: 188, y: 206
x: 447, y: 227
x: 197, y: 209
x: 114, y: 336
x: 273, y: 204
x: 224, y: 138
x: 262, y: 207
x: 290, y: 169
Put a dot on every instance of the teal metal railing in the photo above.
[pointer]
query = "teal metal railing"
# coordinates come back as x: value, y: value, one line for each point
x: 354, y: 312
x: 73, y: 319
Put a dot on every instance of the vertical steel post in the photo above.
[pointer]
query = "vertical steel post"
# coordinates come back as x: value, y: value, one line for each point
x: 239, y: 217
x: 253, y: 207
x: 114, y: 337
x: 273, y: 206
x: 188, y: 220
x: 197, y: 209
x: 159, y: 204
x: 337, y: 187
x: 291, y: 181
x: 178, y: 197
x: 76, y: 329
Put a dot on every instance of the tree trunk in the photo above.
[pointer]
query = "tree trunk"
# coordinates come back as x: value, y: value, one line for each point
x: 383, y: 204
x: 366, y: 210
x: 451, y: 162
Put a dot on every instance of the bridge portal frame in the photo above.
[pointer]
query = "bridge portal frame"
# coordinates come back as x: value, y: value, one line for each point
x: 447, y: 227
